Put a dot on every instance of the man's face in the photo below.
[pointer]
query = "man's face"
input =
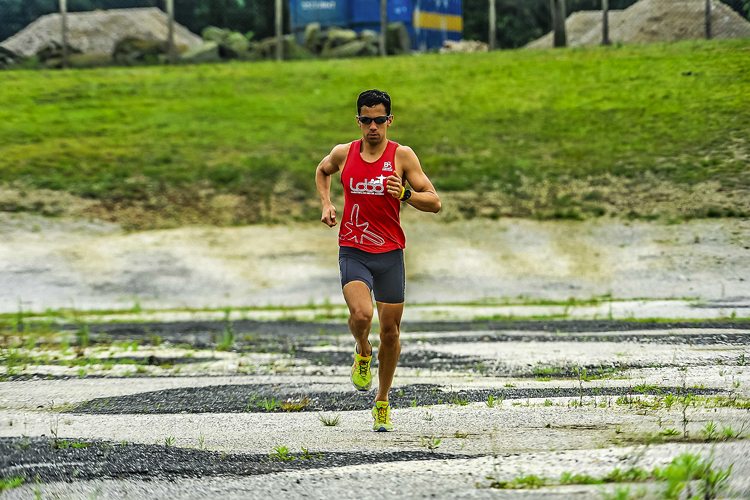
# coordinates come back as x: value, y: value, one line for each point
x: 373, y: 133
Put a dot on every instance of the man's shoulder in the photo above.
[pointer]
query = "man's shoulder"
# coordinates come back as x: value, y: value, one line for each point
x: 405, y: 152
x: 340, y: 151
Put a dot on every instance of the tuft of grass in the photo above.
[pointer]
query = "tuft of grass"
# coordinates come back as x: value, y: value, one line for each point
x: 686, y: 476
x: 432, y: 443
x: 169, y: 441
x: 519, y: 483
x: 269, y: 404
x: 329, y: 420
x: 8, y: 483
x: 282, y: 454
x: 295, y: 405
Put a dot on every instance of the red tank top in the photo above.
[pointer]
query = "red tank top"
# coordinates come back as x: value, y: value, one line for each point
x: 371, y: 215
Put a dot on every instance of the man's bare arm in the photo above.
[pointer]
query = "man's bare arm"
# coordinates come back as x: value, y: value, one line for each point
x: 332, y: 163
x: 424, y: 197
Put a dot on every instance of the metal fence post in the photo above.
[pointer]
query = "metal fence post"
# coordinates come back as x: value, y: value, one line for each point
x: 170, y: 32
x: 279, y: 32
x: 383, y: 25
x: 493, y: 25
x: 558, y: 22
x: 708, y: 19
x: 64, y: 27
x: 605, y: 22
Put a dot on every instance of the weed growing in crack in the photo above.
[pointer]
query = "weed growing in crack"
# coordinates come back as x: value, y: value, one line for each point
x: 709, y: 430
x: 201, y: 442
x: 729, y: 433
x: 519, y: 483
x: 687, y: 468
x: 428, y: 416
x: 295, y: 405
x: 457, y: 399
x: 670, y: 432
x: 8, y: 483
x: 432, y: 443
x: 685, y: 402
x: 227, y: 336
x: 281, y: 454
x: 685, y: 476
x: 169, y: 441
x: 490, y: 401
x: 461, y: 435
x: 329, y: 420
x: 269, y: 404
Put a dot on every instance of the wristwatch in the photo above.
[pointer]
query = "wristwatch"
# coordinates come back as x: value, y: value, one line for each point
x: 407, y: 195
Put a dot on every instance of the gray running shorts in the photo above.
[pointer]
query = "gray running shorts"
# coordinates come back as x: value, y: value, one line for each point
x: 382, y: 272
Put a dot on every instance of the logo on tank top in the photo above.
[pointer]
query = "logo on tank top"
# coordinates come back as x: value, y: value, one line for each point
x: 387, y: 167
x: 368, y: 186
x: 359, y: 231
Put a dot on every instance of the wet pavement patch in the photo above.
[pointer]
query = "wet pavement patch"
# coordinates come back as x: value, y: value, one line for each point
x: 43, y: 459
x: 266, y: 398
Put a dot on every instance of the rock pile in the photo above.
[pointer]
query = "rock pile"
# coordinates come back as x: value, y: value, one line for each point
x: 649, y: 21
x: 98, y: 32
x: 463, y: 46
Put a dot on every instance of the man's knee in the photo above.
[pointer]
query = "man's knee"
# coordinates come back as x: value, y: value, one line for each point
x: 360, y: 317
x: 389, y: 334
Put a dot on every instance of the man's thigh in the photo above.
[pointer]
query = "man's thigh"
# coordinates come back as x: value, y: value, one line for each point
x: 389, y: 277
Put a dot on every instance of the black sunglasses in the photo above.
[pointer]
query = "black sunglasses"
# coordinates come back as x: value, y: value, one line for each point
x: 378, y: 119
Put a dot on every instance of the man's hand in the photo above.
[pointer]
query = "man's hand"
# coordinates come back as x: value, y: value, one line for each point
x: 329, y: 215
x: 394, y: 186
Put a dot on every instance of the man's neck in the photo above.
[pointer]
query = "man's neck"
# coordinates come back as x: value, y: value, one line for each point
x: 373, y: 149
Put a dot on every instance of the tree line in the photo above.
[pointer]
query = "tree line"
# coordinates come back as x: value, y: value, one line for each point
x: 518, y: 21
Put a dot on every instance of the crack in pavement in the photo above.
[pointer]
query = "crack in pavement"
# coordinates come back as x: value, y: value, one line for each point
x: 247, y: 398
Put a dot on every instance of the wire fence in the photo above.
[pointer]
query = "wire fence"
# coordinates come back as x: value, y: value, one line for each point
x: 644, y: 21
x: 497, y: 23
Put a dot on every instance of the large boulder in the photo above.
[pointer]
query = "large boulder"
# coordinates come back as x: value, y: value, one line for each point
x: 132, y: 50
x: 231, y: 44
x: 314, y: 38
x: 397, y: 40
x: 355, y: 48
x: 213, y: 34
x: 208, y: 52
x: 266, y: 48
x: 7, y: 58
x: 335, y: 37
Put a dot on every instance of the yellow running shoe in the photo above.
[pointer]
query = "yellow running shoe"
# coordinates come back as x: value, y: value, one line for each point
x: 361, y: 376
x: 381, y: 413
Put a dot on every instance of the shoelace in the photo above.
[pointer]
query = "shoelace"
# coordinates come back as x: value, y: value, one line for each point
x: 382, y: 414
x: 363, y: 366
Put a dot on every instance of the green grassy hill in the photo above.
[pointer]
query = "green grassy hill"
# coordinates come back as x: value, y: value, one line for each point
x: 649, y: 131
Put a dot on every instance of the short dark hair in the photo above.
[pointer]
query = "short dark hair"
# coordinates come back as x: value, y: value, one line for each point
x: 372, y: 98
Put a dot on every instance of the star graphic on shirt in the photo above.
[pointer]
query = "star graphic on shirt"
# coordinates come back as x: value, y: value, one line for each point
x: 358, y: 232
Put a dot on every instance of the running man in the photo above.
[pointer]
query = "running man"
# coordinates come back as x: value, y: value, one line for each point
x: 374, y: 173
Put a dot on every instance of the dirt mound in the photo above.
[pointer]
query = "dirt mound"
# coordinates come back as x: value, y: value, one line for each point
x: 579, y: 26
x: 97, y: 32
x: 652, y: 21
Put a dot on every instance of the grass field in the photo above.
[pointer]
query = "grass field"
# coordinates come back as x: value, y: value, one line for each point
x: 641, y: 131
